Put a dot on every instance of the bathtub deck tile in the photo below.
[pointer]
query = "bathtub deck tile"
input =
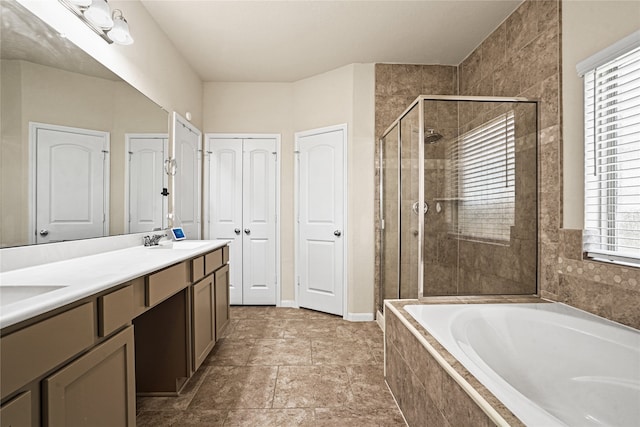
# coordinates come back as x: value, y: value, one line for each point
x: 444, y: 403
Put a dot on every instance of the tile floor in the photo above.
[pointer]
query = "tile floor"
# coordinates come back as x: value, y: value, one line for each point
x: 284, y: 367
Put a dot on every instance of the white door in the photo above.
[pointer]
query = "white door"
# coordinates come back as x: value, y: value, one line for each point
x: 259, y: 222
x: 242, y: 207
x: 321, y: 219
x: 225, y: 204
x: 186, y: 182
x: 71, y: 175
x: 147, y: 182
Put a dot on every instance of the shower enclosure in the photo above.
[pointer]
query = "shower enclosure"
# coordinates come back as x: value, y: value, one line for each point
x: 458, y: 198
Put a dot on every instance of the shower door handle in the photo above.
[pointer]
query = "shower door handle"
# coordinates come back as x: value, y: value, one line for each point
x: 425, y: 208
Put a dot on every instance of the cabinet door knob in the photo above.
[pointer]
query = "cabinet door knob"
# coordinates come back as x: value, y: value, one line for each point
x: 247, y: 231
x: 337, y: 233
x: 44, y: 232
x: 237, y: 231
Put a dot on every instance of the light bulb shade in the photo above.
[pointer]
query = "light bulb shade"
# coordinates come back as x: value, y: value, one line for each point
x: 99, y: 14
x: 120, y: 32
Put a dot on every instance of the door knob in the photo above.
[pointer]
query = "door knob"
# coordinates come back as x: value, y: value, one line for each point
x: 44, y: 232
x: 237, y: 231
x: 337, y: 233
x: 247, y: 231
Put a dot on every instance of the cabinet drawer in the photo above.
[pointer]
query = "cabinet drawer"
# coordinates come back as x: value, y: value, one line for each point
x: 30, y: 352
x: 114, y: 310
x: 16, y: 412
x: 213, y: 261
x: 165, y: 283
x: 197, y: 269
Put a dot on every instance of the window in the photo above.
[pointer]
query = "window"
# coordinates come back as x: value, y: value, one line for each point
x: 483, y: 176
x: 612, y: 158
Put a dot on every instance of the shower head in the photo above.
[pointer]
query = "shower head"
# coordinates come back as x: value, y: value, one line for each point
x: 431, y: 136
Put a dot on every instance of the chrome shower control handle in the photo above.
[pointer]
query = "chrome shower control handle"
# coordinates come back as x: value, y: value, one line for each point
x: 237, y: 231
x: 337, y: 233
x: 425, y: 208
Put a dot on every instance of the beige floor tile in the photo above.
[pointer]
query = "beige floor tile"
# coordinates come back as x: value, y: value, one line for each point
x: 311, y: 328
x: 280, y: 352
x: 230, y: 352
x: 365, y: 417
x: 284, y: 367
x: 210, y: 418
x: 268, y: 417
x: 369, y: 388
x: 228, y: 387
x: 312, y: 386
x: 340, y: 352
x: 257, y: 329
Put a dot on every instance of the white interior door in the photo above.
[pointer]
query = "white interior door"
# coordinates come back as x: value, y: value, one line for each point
x: 71, y: 175
x: 147, y: 180
x: 321, y: 219
x: 225, y: 204
x: 187, y: 186
x: 242, y: 207
x: 259, y: 221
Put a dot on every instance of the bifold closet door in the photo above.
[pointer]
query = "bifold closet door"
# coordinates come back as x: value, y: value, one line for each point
x: 225, y: 205
x: 259, y: 222
x: 242, y: 209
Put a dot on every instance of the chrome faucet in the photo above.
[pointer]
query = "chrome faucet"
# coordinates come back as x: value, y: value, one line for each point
x: 153, y: 240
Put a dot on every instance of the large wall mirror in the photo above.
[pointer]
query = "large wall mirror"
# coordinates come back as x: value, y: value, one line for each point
x: 81, y: 151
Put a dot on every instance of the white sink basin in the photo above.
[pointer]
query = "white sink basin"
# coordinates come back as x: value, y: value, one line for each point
x: 181, y: 245
x: 14, y: 293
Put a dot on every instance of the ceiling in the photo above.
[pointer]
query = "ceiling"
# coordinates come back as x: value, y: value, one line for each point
x: 285, y: 41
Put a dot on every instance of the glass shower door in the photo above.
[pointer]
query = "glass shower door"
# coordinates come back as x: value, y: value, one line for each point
x: 409, y: 203
x: 390, y: 214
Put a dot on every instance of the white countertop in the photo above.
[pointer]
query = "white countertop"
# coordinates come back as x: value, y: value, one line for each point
x: 86, y: 276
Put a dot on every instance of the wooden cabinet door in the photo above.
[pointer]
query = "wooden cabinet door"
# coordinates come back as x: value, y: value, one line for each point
x: 204, y: 312
x: 222, y: 299
x: 16, y: 412
x: 98, y: 389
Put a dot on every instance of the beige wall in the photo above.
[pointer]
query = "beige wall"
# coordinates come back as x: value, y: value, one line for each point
x: 344, y: 95
x: 588, y: 27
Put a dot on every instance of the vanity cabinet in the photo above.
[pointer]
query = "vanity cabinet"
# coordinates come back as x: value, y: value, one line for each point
x: 222, y: 299
x: 84, y: 363
x: 16, y: 412
x: 97, y: 389
x: 204, y: 319
x: 210, y: 304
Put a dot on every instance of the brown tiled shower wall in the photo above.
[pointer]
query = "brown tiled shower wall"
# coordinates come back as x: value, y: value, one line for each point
x: 522, y: 57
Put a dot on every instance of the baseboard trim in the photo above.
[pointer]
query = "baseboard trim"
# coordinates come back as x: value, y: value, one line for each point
x: 288, y: 303
x: 359, y: 317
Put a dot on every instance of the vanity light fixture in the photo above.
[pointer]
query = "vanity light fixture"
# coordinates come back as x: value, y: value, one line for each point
x: 120, y: 32
x: 97, y: 15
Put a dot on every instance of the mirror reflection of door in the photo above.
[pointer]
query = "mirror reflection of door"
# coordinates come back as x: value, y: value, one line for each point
x: 187, y: 179
x: 70, y: 172
x: 147, y: 202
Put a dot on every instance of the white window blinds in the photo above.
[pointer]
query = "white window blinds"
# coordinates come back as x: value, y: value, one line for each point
x: 612, y: 159
x: 484, y: 173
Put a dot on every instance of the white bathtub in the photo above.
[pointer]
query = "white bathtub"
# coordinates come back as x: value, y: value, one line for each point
x: 550, y: 364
